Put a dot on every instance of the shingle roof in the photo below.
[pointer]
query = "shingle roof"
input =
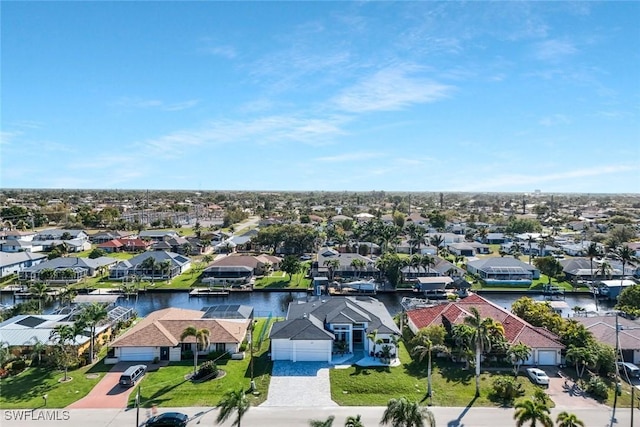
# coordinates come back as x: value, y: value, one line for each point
x: 299, y: 329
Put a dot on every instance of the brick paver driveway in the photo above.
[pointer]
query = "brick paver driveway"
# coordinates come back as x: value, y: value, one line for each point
x: 566, y: 395
x: 299, y: 384
x: 107, y: 393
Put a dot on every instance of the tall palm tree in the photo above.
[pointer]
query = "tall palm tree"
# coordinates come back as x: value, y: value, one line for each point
x: 530, y: 241
x: 406, y: 413
x: 332, y: 265
x: 39, y: 290
x: 92, y: 315
x: 593, y: 251
x: 566, y: 419
x: 532, y: 411
x: 625, y: 253
x: 37, y: 348
x: 437, y: 241
x: 358, y: 265
x: 165, y: 268
x: 353, y: 421
x: 233, y: 401
x: 63, y: 336
x: 202, y: 338
x: 373, y: 337
x: 150, y: 264
x: 424, y: 348
x: 483, y: 329
x: 320, y: 423
x: 518, y: 353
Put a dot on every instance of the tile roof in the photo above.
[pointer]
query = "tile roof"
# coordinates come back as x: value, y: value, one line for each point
x: 515, y: 329
x: 163, y: 328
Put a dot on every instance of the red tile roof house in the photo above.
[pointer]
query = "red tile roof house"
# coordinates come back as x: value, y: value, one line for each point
x: 545, y: 346
x: 158, y: 335
x: 125, y: 245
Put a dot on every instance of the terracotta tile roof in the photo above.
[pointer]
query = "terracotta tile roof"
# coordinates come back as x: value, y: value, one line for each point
x: 111, y: 244
x: 515, y: 329
x: 163, y: 328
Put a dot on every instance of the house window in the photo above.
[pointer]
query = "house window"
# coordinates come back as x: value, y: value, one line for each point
x: 111, y: 352
x: 221, y: 347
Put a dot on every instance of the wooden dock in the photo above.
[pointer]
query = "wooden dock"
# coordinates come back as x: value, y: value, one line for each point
x: 208, y: 292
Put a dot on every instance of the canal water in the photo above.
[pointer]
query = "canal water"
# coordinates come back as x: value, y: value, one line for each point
x: 275, y: 303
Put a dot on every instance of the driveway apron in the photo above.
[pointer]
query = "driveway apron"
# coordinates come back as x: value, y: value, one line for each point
x: 108, y: 393
x: 299, y: 384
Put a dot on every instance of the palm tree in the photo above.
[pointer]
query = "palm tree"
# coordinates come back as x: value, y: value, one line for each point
x: 581, y: 357
x: 92, y: 315
x: 530, y: 241
x: 424, y: 348
x: 63, y: 336
x: 319, y: 423
x: 150, y: 264
x: 437, y: 241
x: 233, y: 401
x: 207, y: 259
x: 37, y: 348
x: 605, y: 269
x: 39, y: 290
x: 533, y: 411
x: 625, y: 254
x: 373, y: 337
x: 353, y: 421
x: 202, y: 338
x: 566, y: 419
x: 357, y: 264
x: 406, y: 413
x: 462, y: 337
x: 332, y: 265
x: 518, y: 353
x: 593, y: 251
x: 480, y: 338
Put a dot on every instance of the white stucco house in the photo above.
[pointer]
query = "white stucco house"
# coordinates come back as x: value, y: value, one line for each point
x: 318, y: 330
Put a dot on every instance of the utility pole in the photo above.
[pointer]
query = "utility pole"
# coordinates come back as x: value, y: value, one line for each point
x: 138, y: 407
x: 617, y: 377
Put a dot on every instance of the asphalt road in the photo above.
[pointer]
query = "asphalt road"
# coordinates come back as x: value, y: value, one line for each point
x: 281, y: 416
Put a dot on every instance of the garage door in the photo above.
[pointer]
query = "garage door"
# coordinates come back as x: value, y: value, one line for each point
x: 281, y: 350
x: 547, y: 357
x: 137, y: 354
x: 312, y: 351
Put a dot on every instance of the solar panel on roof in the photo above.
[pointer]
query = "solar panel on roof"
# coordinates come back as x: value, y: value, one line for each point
x: 31, y: 321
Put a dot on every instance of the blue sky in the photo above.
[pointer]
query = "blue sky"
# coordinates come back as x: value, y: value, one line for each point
x: 360, y: 96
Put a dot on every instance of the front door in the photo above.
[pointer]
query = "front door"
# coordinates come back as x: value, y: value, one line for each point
x: 357, y: 339
x: 164, y: 353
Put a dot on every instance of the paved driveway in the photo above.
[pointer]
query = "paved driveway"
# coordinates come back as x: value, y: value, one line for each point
x: 107, y: 393
x: 299, y: 384
x: 566, y: 395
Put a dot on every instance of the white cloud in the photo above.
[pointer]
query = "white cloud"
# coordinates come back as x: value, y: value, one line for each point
x: 156, y: 104
x: 228, y: 52
x: 347, y: 157
x: 554, y: 50
x: 264, y: 130
x: 7, y: 137
x: 390, y: 89
x: 554, y: 120
x: 508, y: 182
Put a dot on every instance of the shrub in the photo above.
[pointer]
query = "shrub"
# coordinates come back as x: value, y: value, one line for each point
x: 187, y: 355
x: 18, y: 366
x: 207, y: 370
x: 507, y: 389
x: 243, y: 346
x: 597, y: 388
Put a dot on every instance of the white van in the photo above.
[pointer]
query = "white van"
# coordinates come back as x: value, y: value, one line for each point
x: 132, y: 375
x: 631, y: 370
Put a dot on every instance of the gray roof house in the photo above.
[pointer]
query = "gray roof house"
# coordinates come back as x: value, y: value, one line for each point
x: 321, y: 267
x: 14, y: 263
x: 81, y: 267
x: 503, y: 270
x: 318, y: 330
x: 177, y: 264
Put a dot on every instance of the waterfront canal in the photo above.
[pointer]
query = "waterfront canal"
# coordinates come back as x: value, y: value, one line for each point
x: 275, y: 303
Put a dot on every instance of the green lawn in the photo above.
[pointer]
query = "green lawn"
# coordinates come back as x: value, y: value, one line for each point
x: 26, y: 389
x: 298, y: 281
x: 452, y: 386
x: 168, y: 387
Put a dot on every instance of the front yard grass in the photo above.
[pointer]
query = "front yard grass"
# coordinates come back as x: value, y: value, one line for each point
x: 26, y: 389
x: 167, y: 386
x: 452, y: 386
x: 298, y: 281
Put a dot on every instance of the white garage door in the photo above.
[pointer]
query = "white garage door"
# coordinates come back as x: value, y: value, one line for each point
x: 530, y: 360
x: 281, y: 350
x: 312, y: 351
x: 546, y: 357
x: 137, y: 354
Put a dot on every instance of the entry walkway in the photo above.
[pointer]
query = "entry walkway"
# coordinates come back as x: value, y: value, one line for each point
x: 299, y: 384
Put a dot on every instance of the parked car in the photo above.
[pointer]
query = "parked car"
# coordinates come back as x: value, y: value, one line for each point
x: 629, y: 369
x: 538, y: 376
x: 168, y: 419
x: 132, y: 375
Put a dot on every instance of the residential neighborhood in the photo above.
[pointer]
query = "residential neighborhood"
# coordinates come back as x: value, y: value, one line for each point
x: 355, y: 292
